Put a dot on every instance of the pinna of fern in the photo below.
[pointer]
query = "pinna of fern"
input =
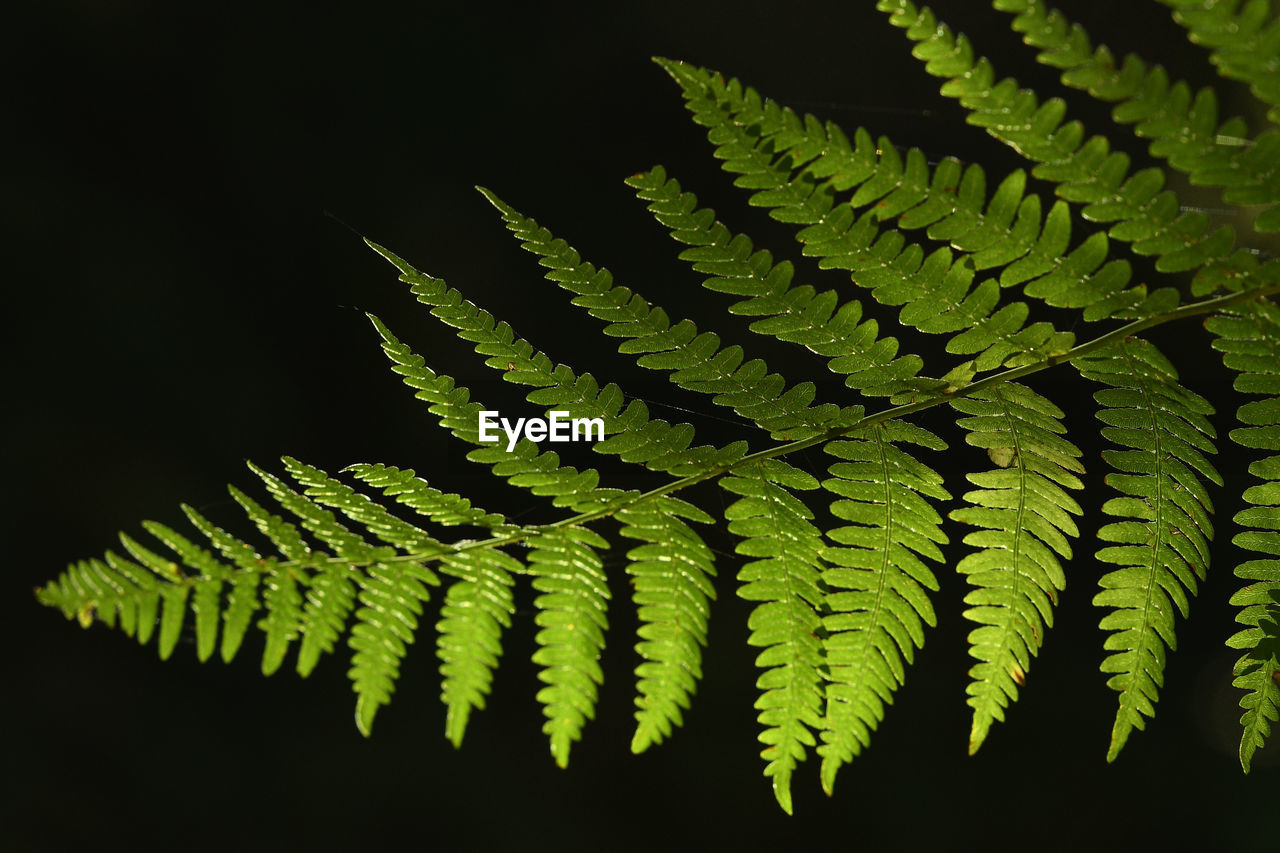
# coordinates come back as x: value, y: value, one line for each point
x: 1186, y: 135
x: 838, y: 614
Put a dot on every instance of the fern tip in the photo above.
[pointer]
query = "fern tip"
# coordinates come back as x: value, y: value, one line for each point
x: 490, y: 196
x: 978, y: 736
x: 1247, y: 749
x: 782, y: 792
x: 828, y: 781
x: 681, y: 72
x: 640, y: 742
x: 383, y: 331
x: 391, y: 257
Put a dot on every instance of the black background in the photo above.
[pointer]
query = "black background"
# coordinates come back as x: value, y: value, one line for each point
x: 186, y: 286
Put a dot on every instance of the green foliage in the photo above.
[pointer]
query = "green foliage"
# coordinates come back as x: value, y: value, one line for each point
x: 1243, y: 39
x: 1249, y: 338
x: 787, y: 581
x: 841, y: 594
x: 1165, y: 548
x: 1026, y: 519
x: 877, y: 581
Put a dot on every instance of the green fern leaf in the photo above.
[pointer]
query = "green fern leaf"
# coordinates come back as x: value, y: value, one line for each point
x: 392, y: 599
x: 141, y: 592
x: 1249, y: 338
x: 853, y: 701
x: 1242, y: 37
x: 1026, y: 516
x: 284, y: 605
x: 792, y: 313
x: 1164, y: 548
x: 242, y: 599
x: 412, y: 491
x: 206, y: 589
x: 172, y: 595
x: 390, y: 594
x: 671, y: 574
x: 90, y: 589
x: 837, y: 615
x: 775, y: 527
x: 330, y: 597
x: 280, y: 597
x: 633, y: 436
x: 525, y: 466
x: 477, y: 607
x: 876, y: 581
x: 1184, y: 129
x: 1085, y: 171
x: 333, y: 588
x: 801, y: 168
x: 571, y: 613
x: 659, y: 445
x: 937, y: 293
x: 695, y: 361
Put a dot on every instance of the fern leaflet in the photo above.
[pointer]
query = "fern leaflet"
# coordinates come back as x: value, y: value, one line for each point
x: 1164, y: 548
x: 1249, y: 339
x: 1026, y: 519
x: 786, y: 578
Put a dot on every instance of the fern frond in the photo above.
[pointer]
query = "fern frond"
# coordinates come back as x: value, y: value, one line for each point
x: 173, y: 594
x: 281, y: 598
x: 801, y: 169
x: 1085, y: 171
x: 326, y: 491
x: 571, y: 613
x: 1242, y: 38
x: 307, y: 593
x: 1249, y: 339
x: 242, y: 599
x: 786, y: 578
x: 632, y: 435
x: 1026, y: 516
x: 1184, y: 129
x: 91, y: 589
x: 206, y: 588
x: 877, y: 599
x: 540, y: 472
x: 408, y: 489
x: 283, y: 602
x: 838, y: 615
x: 384, y: 627
x: 860, y: 631
x: 169, y: 599
x: 938, y: 292
x: 694, y: 361
x: 477, y: 607
x: 657, y: 444
x: 1163, y: 548
x: 333, y: 587
x: 671, y: 574
x: 792, y: 313
x: 331, y: 595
